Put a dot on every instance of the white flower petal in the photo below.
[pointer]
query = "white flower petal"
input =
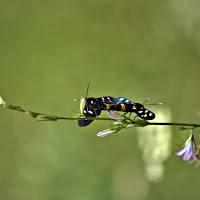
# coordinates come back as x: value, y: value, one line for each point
x: 105, y: 133
x: 115, y: 115
x: 2, y: 101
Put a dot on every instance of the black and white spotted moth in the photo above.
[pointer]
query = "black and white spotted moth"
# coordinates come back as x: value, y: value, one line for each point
x: 92, y: 107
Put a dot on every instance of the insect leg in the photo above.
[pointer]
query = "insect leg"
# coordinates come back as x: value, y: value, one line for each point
x: 125, y: 113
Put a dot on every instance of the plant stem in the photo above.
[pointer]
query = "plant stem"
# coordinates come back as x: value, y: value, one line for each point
x: 44, y: 117
x: 88, y: 118
x: 173, y: 124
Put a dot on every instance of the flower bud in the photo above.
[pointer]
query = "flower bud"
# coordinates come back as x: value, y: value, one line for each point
x: 32, y: 114
x: 46, y: 118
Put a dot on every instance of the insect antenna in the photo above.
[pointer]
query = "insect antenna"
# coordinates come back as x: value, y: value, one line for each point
x: 87, y: 90
x: 86, y: 93
x: 145, y: 102
x: 151, y: 103
x: 154, y: 104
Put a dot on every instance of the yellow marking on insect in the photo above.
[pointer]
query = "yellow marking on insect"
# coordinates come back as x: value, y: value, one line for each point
x: 91, y: 102
x: 123, y: 107
x: 107, y: 107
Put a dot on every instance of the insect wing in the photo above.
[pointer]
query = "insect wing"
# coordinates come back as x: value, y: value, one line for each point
x: 144, y: 113
x: 107, y: 100
x: 147, y: 116
x: 95, y: 104
x: 88, y: 111
x: 84, y: 122
x: 123, y: 100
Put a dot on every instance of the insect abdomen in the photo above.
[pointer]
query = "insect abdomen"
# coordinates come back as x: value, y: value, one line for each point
x: 137, y: 108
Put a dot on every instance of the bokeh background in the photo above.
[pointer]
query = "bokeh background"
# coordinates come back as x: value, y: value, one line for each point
x: 50, y: 50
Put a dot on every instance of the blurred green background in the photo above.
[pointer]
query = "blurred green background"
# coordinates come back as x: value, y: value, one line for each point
x: 50, y: 50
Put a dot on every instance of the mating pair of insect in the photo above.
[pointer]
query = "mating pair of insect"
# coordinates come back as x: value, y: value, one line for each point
x: 92, y: 107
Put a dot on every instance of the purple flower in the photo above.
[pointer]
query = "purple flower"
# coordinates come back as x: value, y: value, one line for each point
x: 189, y: 148
x: 106, y: 132
x: 115, y: 115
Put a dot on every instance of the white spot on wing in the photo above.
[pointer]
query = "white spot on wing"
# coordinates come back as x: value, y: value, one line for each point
x: 102, y: 98
x: 127, y: 101
x: 146, y: 111
x: 84, y: 111
x: 90, y: 112
x: 121, y: 99
x: 109, y: 99
x: 150, y: 114
x: 140, y: 111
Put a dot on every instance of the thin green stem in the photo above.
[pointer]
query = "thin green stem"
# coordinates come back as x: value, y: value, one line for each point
x: 173, y: 124
x: 45, y: 117
x: 88, y: 118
